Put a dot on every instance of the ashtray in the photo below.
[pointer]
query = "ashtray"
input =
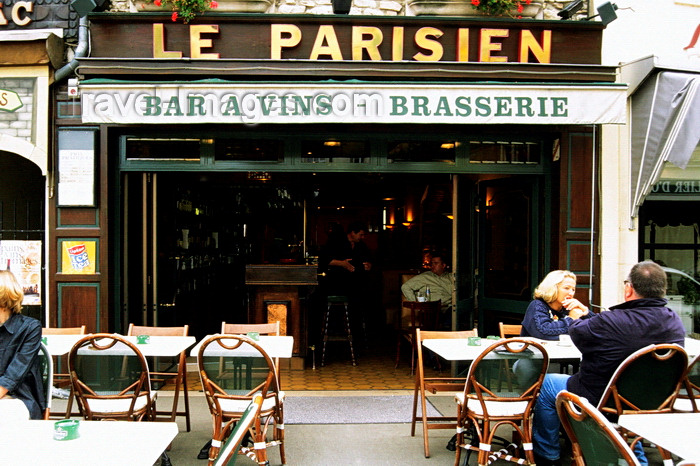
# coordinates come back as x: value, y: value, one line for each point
x: 67, y: 429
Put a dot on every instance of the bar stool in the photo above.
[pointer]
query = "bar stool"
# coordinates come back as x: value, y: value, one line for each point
x: 336, y: 302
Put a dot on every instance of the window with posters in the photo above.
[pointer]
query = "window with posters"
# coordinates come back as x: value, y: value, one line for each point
x: 23, y: 259
x: 78, y: 257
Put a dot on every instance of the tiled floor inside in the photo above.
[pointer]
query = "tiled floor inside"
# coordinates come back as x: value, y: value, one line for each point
x: 374, y: 370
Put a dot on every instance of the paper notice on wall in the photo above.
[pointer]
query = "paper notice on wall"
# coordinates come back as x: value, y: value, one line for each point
x: 76, y: 179
x: 23, y: 259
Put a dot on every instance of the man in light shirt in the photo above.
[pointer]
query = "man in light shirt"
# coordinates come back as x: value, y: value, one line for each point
x: 437, y: 279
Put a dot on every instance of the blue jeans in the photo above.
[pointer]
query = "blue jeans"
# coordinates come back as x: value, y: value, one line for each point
x: 546, y: 424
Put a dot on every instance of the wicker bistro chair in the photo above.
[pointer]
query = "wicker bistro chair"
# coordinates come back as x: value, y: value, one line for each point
x: 631, y: 390
x: 110, y: 379
x: 688, y: 399
x: 594, y: 439
x: 229, y: 451
x: 433, y: 385
x: 483, y: 406
x: 167, y: 368
x: 234, y: 370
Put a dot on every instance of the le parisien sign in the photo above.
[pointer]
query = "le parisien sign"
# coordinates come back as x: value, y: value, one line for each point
x: 381, y: 39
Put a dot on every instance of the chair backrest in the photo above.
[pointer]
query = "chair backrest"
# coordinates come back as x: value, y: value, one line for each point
x: 689, y: 397
x: 46, y: 370
x: 63, y: 330
x: 593, y: 438
x: 229, y: 451
x: 526, y: 358
x: 233, y: 369
x: 509, y: 330
x: 631, y: 389
x: 110, y: 378
x: 271, y: 328
x: 158, y: 331
x: 425, y: 315
x: 437, y: 383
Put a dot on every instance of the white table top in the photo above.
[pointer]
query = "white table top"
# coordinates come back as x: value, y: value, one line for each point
x: 116, y: 443
x: 157, y: 346
x: 458, y: 349
x: 275, y: 347
x: 58, y: 345
x: 675, y: 432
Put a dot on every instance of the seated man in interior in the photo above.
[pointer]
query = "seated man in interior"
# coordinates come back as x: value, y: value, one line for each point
x: 439, y: 282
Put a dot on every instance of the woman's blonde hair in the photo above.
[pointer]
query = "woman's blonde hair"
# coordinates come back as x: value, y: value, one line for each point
x: 11, y: 294
x: 548, y: 289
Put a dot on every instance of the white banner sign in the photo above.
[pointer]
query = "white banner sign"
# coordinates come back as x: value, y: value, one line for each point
x: 361, y: 103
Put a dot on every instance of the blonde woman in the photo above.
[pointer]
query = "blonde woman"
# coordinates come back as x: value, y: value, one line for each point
x: 554, y: 307
x: 20, y: 339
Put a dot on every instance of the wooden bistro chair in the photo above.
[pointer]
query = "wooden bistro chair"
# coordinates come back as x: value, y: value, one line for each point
x: 433, y: 385
x: 483, y: 406
x: 647, y: 381
x: 230, y: 385
x: 62, y: 379
x: 110, y: 379
x: 594, y: 439
x: 509, y: 330
x: 162, y: 369
x: 688, y: 399
x: 268, y: 329
x: 423, y: 315
x: 229, y: 451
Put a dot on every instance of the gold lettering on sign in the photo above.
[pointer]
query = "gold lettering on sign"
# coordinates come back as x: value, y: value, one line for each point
x: 28, y: 7
x: 197, y: 43
x: 326, y: 35
x: 371, y: 44
x: 397, y: 44
x: 486, y: 46
x: 292, y: 38
x: 424, y: 39
x: 541, y: 50
x: 159, y: 43
x: 463, y: 44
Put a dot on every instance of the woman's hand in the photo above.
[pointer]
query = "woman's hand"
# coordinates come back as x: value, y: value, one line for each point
x: 575, y: 307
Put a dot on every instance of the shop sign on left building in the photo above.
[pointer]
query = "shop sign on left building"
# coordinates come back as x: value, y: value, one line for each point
x: 10, y: 101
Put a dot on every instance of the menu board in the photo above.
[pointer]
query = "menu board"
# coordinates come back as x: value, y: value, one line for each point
x: 76, y: 177
x: 23, y: 259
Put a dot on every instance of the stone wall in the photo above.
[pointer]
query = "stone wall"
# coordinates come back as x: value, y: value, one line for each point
x: 19, y: 123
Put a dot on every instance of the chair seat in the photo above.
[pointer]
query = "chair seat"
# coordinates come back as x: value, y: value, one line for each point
x: 238, y: 406
x: 683, y: 404
x: 495, y: 408
x: 104, y: 405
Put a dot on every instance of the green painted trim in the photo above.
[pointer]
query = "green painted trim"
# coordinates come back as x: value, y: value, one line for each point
x: 59, y: 311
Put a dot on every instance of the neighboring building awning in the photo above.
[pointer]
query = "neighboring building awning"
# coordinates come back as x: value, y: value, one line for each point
x: 217, y: 101
x: 665, y: 119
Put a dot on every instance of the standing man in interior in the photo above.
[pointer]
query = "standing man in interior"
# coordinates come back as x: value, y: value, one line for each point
x: 605, y: 340
x: 441, y: 284
x: 346, y: 261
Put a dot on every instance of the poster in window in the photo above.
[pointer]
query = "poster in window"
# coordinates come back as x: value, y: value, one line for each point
x: 23, y: 259
x: 79, y: 257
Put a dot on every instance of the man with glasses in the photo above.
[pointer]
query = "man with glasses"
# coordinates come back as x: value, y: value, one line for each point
x: 605, y: 340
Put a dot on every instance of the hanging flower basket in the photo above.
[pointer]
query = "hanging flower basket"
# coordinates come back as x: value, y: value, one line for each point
x: 492, y: 8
